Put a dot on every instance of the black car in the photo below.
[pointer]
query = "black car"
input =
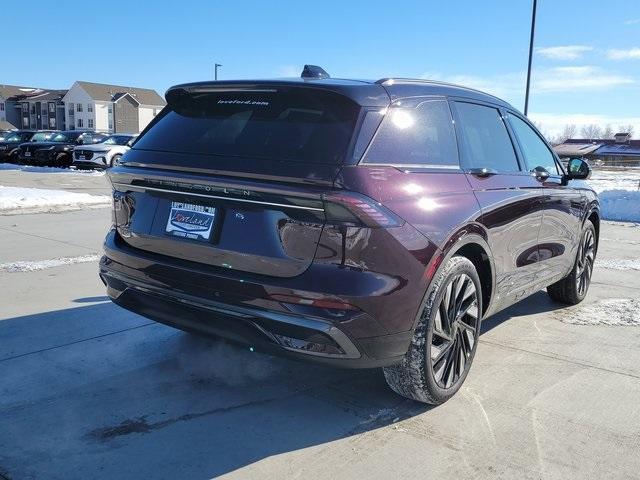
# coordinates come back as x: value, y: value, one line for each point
x: 10, y: 144
x: 56, y: 150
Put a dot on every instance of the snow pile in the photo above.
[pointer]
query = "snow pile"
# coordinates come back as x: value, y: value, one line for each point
x: 612, y: 311
x: 619, y: 194
x: 21, y: 200
x: 619, y: 264
x: 57, y: 170
x: 32, y: 266
x: 620, y: 205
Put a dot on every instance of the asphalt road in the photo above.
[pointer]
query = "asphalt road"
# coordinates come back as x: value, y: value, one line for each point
x: 88, y: 390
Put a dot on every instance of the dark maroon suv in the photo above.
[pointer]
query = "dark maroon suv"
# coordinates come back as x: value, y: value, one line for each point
x: 362, y: 224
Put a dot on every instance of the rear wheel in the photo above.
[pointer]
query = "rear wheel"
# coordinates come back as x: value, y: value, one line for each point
x: 573, y: 288
x: 445, y: 339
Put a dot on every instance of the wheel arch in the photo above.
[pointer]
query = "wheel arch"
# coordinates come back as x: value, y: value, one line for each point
x: 469, y: 241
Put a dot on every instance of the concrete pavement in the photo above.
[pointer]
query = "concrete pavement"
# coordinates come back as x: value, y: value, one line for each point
x: 89, y: 390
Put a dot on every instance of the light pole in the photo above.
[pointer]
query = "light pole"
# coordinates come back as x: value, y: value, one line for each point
x: 216, y: 68
x: 533, y: 29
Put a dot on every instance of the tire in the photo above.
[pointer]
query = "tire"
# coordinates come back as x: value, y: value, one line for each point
x: 63, y: 160
x: 115, y: 160
x: 572, y: 289
x: 439, y: 358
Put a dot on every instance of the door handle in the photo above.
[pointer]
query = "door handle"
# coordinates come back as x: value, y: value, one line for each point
x: 482, y: 172
x: 540, y: 173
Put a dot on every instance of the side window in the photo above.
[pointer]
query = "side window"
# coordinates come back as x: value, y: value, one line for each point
x: 486, y: 139
x: 422, y: 135
x: 535, y: 151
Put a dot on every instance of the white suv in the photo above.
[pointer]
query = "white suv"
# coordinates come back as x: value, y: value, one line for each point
x: 104, y: 154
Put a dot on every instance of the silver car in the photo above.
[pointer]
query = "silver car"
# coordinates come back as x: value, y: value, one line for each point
x: 104, y: 154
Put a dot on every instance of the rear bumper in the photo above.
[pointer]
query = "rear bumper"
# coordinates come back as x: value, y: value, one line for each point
x: 249, y: 321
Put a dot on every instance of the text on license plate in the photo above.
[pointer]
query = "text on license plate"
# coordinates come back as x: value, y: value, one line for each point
x: 191, y: 221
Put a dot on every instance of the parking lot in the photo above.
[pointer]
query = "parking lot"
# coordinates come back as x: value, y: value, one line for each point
x: 90, y: 390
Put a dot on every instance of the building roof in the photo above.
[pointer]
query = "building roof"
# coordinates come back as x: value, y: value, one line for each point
x: 110, y: 93
x: 15, y: 92
x: 578, y: 147
x: 631, y: 149
x: 571, y: 149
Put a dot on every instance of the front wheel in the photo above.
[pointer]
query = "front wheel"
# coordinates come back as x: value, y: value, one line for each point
x: 573, y: 288
x: 115, y: 160
x: 445, y: 339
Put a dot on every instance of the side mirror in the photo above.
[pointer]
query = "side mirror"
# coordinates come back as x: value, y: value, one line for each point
x: 578, y: 169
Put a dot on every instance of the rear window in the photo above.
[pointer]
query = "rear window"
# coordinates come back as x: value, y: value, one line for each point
x: 294, y: 124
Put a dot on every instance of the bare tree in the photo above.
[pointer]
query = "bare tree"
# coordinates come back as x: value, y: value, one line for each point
x: 591, y: 132
x: 626, y: 129
x: 543, y: 131
x: 569, y: 131
x: 608, y: 131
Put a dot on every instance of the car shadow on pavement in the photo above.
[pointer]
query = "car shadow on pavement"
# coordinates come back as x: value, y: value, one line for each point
x: 539, y: 302
x: 96, y: 391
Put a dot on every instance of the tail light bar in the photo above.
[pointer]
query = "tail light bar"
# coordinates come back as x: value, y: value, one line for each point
x: 357, y: 209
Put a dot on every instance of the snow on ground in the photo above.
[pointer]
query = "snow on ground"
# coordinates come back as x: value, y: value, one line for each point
x: 56, y: 170
x: 32, y: 266
x: 612, y: 311
x: 23, y: 200
x: 619, y: 264
x: 619, y: 193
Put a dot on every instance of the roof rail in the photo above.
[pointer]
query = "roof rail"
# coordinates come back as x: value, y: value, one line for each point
x: 391, y: 81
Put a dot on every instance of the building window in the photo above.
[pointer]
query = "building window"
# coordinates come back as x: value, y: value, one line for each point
x: 25, y: 122
x: 111, y: 108
x: 90, y: 123
x: 79, y: 122
x: 110, y: 125
x: 52, y: 107
x: 78, y: 107
x: 52, y: 122
x: 1, y: 106
x: 33, y: 109
x: 25, y: 107
x: 155, y: 112
x: 71, y: 109
x: 89, y: 107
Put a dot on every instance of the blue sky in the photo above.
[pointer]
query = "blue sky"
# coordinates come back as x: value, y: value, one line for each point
x: 586, y: 67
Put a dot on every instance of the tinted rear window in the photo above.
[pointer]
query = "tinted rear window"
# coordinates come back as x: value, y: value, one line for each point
x: 293, y: 124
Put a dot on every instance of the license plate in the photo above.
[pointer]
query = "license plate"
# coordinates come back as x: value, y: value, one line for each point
x: 80, y: 157
x: 27, y: 154
x: 191, y: 221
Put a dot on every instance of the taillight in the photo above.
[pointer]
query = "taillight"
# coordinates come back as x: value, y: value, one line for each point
x: 355, y: 208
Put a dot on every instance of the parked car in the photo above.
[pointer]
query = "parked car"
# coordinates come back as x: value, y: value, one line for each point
x: 11, y: 143
x: 57, y: 149
x: 104, y: 154
x: 361, y: 224
x: 5, y: 133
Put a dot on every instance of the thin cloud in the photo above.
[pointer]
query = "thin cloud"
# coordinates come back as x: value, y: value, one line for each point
x: 624, y: 54
x: 289, y: 71
x: 564, y: 52
x: 544, y: 80
x: 562, y: 79
x: 632, y: 21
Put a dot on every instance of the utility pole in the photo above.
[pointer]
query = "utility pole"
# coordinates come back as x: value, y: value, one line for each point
x: 533, y: 29
x: 216, y: 68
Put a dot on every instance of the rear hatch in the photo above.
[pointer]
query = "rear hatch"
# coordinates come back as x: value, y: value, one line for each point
x: 234, y: 176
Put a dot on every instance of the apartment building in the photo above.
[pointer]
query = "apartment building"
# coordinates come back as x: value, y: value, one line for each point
x: 32, y: 107
x: 110, y: 108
